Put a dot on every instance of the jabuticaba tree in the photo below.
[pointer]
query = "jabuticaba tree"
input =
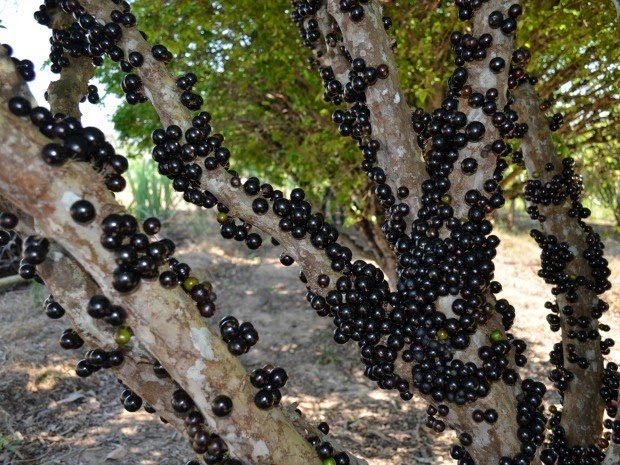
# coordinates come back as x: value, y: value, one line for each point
x: 438, y: 332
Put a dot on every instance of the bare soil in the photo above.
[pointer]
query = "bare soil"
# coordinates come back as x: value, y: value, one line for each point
x: 50, y: 416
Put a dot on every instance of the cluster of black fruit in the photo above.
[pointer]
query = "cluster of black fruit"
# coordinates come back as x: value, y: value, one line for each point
x: 468, y: 48
x: 557, y: 450
x: 78, y: 143
x: 430, y: 266
x: 34, y: 252
x: 37, y: 248
x: 532, y: 424
x: 567, y: 187
x: 100, y: 308
x: 442, y: 143
x: 92, y: 95
x: 24, y: 67
x: 556, y: 191
x: 268, y: 380
x: 176, y: 160
x: 326, y: 452
x: 458, y: 264
x: 532, y: 428
x: 97, y: 359
x: 10, y: 249
x: 85, y: 37
x: 212, y: 446
x: 354, y: 8
x: 307, y: 8
x: 239, y: 338
x: 137, y: 259
x: 140, y: 259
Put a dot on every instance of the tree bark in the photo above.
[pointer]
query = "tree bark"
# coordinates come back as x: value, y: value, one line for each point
x: 178, y: 337
x: 582, y: 393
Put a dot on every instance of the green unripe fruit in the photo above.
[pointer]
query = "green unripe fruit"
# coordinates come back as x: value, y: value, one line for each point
x: 122, y: 336
x: 190, y: 283
x: 496, y: 336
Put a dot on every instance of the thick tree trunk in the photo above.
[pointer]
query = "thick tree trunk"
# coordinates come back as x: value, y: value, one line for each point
x: 164, y: 321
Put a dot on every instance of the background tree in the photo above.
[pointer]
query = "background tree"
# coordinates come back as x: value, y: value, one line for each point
x: 439, y: 331
x: 265, y: 119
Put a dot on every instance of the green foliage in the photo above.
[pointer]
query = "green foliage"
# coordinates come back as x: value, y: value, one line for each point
x: 9, y: 442
x: 152, y: 194
x: 39, y: 293
x: 269, y: 105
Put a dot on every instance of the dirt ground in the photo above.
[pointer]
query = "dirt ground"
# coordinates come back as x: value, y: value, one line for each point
x: 50, y: 416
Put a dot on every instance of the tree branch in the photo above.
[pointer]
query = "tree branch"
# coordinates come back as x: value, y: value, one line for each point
x: 399, y: 156
x: 581, y: 394
x: 161, y: 89
x: 195, y: 357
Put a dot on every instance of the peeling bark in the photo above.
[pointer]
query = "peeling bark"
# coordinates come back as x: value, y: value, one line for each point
x: 399, y: 155
x: 178, y: 337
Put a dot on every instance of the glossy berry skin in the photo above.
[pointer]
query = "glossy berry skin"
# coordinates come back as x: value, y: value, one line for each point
x: 70, y: 340
x: 19, y: 106
x: 253, y: 241
x: 222, y: 405
x: 181, y: 401
x: 495, y: 19
x: 83, y: 369
x: 54, y: 310
x: 278, y: 377
x: 475, y: 131
x: 135, y: 59
x: 151, y: 226
x: 509, y: 26
x: 8, y: 220
x: 98, y: 306
x: 27, y: 271
x: 490, y: 416
x: 264, y: 399
x: 515, y: 10
x: 260, y: 206
x: 168, y: 279
x: 469, y: 165
x: 125, y: 280
x: 161, y: 53
x: 132, y: 402
x: 497, y: 64
x: 160, y: 371
x: 82, y: 212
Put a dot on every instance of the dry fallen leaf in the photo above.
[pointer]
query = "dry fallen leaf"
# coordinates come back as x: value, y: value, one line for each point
x: 117, y: 454
x: 70, y: 398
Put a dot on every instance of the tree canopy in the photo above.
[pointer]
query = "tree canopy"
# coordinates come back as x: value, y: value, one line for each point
x: 244, y: 52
